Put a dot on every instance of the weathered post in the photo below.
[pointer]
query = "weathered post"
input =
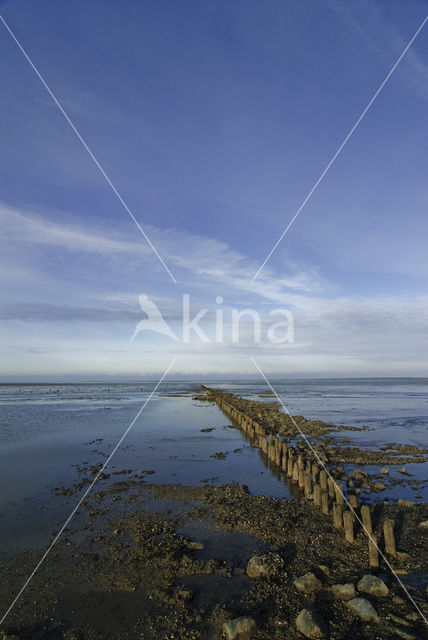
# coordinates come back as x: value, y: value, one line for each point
x: 301, y: 479
x: 388, y: 532
x: 323, y: 480
x: 353, y: 500
x: 366, y: 519
x: 290, y: 466
x: 338, y: 490
x: 317, y: 495
x: 337, y: 516
x: 330, y: 483
x: 308, y: 483
x: 348, y: 523
x: 373, y: 553
x: 295, y: 473
x: 324, y: 503
x: 315, y: 469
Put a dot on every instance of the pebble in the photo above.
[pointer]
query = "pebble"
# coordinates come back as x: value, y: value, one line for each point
x: 264, y: 566
x: 242, y: 627
x: 344, y: 591
x: 364, y: 609
x: 308, y: 582
x: 310, y: 624
x: 373, y: 585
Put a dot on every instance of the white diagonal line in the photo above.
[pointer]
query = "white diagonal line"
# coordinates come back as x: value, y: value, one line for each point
x: 42, y: 559
x: 58, y: 104
x: 339, y: 488
x: 339, y: 149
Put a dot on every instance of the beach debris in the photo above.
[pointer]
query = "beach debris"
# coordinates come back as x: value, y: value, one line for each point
x: 310, y: 624
x: 364, y: 609
x: 265, y: 565
x: 373, y: 586
x: 240, y: 628
x: 344, y: 591
x: 307, y: 583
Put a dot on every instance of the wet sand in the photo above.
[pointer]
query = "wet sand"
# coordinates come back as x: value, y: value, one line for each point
x: 171, y: 561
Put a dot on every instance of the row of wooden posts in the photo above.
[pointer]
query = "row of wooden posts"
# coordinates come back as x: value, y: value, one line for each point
x: 315, y: 482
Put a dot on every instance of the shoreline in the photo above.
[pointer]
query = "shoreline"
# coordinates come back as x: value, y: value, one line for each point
x: 172, y: 561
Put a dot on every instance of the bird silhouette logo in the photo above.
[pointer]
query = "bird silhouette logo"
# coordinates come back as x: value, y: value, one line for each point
x: 154, y: 320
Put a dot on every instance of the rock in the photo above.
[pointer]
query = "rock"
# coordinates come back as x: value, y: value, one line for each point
x: 379, y: 486
x: 240, y: 628
x: 402, y: 470
x: 402, y: 556
x: 324, y: 568
x: 185, y: 594
x: 424, y: 524
x: 195, y: 546
x: 405, y: 503
x: 307, y: 583
x: 310, y: 624
x: 384, y: 470
x: 373, y: 585
x: 264, y: 566
x: 397, y: 600
x: 363, y: 608
x: 344, y: 591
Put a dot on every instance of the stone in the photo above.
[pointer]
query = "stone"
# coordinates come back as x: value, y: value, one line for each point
x: 397, y: 600
x: 423, y: 524
x: 242, y: 628
x: 364, y: 609
x: 310, y: 624
x: 373, y: 586
x: 307, y: 583
x: 344, y: 591
x: 264, y: 566
x: 325, y: 569
x: 195, y: 546
x: 384, y: 470
x: 379, y: 486
x: 402, y: 470
x: 405, y: 503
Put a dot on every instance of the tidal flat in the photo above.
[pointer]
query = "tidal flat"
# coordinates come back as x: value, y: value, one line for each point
x: 193, y: 532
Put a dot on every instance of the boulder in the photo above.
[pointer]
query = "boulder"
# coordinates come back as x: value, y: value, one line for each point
x: 307, y: 583
x: 364, y: 609
x: 344, y: 591
x: 241, y: 628
x: 264, y: 565
x: 310, y: 624
x: 373, y: 586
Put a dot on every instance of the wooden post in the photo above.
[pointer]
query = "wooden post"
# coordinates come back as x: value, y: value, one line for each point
x: 338, y: 490
x: 337, y: 516
x: 373, y: 553
x: 300, y: 461
x: 315, y: 469
x: 290, y: 466
x: 308, y: 483
x: 317, y: 495
x: 348, y: 523
x: 388, y: 532
x: 284, y: 458
x: 366, y: 519
x: 330, y: 484
x: 323, y: 480
x: 295, y: 473
x: 301, y: 479
x: 324, y: 503
x: 353, y: 500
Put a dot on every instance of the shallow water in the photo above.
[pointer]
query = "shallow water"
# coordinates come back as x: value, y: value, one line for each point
x: 47, y: 431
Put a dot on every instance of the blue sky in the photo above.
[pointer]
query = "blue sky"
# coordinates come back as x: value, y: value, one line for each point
x: 213, y: 120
